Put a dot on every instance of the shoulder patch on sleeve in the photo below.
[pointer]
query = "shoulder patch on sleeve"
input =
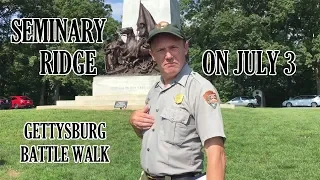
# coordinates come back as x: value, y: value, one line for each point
x: 211, y: 98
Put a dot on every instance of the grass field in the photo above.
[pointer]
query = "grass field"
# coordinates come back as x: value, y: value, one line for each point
x: 263, y: 144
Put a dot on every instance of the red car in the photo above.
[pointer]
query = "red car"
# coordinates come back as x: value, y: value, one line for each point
x: 21, y: 102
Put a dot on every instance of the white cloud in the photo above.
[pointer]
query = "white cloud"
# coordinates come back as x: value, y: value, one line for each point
x: 116, y: 9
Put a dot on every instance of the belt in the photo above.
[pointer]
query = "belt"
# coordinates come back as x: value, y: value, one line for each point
x: 184, y: 176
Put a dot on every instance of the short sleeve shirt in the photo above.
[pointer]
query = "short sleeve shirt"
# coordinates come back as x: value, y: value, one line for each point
x: 187, y: 113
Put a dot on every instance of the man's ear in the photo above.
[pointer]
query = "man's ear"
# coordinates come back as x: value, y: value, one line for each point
x: 151, y: 54
x: 186, y: 47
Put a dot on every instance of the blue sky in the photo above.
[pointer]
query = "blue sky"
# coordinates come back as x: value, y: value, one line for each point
x: 116, y: 6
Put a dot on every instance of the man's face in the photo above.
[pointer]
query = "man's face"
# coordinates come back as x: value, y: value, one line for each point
x: 169, y: 53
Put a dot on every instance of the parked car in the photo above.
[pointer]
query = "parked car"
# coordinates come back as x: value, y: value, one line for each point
x: 303, y: 101
x: 5, y: 103
x: 244, y: 101
x: 21, y: 102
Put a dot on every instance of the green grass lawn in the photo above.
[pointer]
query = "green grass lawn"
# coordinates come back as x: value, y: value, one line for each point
x: 265, y: 144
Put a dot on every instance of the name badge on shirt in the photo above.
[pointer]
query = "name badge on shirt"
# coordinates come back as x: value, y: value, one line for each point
x: 178, y: 99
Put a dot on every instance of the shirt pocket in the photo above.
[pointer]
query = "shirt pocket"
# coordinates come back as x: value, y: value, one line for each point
x: 174, y: 125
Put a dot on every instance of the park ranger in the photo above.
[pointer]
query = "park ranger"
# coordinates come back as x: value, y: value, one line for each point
x: 182, y: 115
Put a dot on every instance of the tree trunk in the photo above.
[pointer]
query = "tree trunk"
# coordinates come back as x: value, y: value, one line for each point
x: 56, y: 93
x: 318, y: 79
x: 290, y: 92
x: 42, y: 93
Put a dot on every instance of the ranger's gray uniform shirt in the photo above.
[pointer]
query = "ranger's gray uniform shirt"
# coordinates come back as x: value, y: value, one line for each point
x: 184, y: 119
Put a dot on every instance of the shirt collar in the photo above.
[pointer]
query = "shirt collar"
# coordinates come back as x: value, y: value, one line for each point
x: 181, y: 77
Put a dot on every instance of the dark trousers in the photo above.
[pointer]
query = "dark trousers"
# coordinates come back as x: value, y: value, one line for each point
x: 144, y: 176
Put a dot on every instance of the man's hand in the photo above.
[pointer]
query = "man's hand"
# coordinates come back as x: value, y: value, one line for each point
x: 216, y: 158
x: 141, y: 120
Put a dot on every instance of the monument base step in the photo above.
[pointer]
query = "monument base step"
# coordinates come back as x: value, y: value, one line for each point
x: 130, y: 107
x: 95, y: 102
x: 113, y: 97
x: 107, y: 107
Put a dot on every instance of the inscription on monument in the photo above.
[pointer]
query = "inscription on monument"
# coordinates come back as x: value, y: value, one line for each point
x: 128, y: 88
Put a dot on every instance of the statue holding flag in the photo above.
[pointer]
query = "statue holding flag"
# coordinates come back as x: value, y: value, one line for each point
x: 132, y: 56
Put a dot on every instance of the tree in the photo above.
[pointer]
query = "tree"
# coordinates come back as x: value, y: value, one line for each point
x: 19, y: 69
x: 248, y: 24
x: 305, y: 33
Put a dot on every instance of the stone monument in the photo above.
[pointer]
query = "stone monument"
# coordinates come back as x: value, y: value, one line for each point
x: 129, y: 68
x: 259, y: 95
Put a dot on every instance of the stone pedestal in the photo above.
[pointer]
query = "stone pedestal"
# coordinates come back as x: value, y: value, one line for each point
x: 106, y: 90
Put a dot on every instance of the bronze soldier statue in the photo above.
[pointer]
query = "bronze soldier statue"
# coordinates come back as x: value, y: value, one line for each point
x: 132, y: 56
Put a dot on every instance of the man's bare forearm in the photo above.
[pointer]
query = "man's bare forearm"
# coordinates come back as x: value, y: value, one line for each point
x: 216, y: 166
x: 216, y: 156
